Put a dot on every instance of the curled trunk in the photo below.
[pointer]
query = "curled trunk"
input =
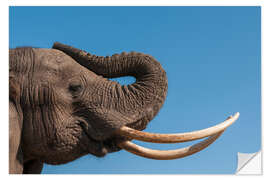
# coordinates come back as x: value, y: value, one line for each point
x: 136, y: 103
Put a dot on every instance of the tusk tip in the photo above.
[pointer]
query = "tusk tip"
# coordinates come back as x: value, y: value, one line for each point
x: 234, y: 117
x: 237, y: 114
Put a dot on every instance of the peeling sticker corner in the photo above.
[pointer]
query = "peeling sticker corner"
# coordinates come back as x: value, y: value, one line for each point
x: 249, y: 163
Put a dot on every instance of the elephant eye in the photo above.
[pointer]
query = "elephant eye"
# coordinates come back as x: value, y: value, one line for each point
x: 75, y: 88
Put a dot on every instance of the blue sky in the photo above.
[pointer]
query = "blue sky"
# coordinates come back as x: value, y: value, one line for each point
x: 212, y: 56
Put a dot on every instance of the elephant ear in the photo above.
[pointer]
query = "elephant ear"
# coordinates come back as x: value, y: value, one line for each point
x: 15, y: 130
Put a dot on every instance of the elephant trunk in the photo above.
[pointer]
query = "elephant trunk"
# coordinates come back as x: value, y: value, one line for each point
x: 142, y: 99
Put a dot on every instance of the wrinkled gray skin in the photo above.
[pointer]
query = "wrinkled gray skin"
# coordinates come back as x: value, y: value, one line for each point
x: 62, y: 106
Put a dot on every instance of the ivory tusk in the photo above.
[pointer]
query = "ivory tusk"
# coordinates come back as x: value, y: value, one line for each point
x: 168, y: 154
x: 179, y: 137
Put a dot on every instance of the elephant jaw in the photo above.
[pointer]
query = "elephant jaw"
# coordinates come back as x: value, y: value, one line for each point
x: 212, y: 133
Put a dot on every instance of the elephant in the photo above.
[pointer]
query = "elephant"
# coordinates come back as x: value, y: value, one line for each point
x: 62, y: 106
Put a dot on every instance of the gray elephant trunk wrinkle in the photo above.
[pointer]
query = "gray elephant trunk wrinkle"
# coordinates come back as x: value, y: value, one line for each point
x: 138, y: 102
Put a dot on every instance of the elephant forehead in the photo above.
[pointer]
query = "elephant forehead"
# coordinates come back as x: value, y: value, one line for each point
x: 55, y: 66
x: 54, y: 60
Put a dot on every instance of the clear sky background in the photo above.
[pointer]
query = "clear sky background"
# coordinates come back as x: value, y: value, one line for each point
x: 212, y: 56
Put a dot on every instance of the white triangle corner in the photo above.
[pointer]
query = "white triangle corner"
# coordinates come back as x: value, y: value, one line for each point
x: 249, y: 163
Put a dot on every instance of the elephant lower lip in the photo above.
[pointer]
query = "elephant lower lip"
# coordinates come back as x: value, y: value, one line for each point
x: 101, y: 152
x: 96, y: 148
x: 111, y: 146
x: 102, y: 147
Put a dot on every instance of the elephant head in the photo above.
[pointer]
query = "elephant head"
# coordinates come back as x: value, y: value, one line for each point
x: 62, y: 106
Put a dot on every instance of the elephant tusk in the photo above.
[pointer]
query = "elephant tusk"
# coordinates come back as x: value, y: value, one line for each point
x: 168, y: 154
x: 179, y: 137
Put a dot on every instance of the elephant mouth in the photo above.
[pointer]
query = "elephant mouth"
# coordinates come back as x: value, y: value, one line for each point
x: 100, y: 148
x: 212, y: 133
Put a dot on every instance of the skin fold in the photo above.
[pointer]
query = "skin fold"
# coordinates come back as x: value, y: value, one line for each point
x: 62, y: 105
